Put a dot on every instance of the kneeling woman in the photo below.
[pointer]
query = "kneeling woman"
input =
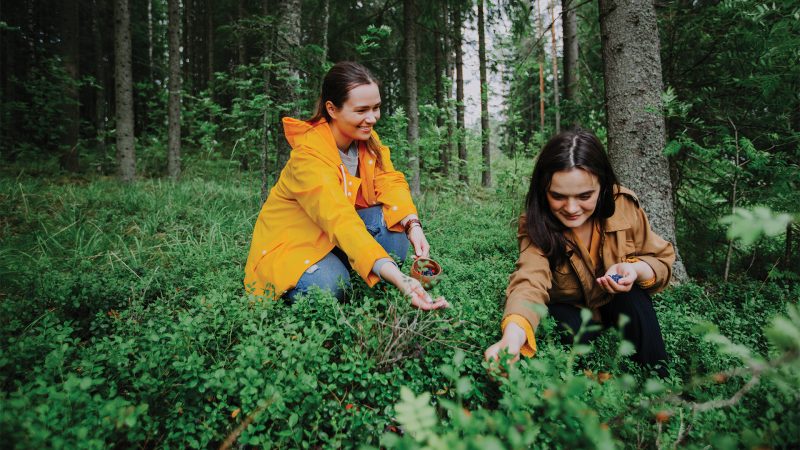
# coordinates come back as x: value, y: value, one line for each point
x: 584, y: 243
x: 338, y: 204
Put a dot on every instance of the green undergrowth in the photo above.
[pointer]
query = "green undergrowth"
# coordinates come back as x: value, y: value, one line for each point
x: 124, y: 324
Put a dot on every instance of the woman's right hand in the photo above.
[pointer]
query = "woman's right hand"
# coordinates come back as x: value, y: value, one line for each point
x: 512, y: 341
x: 419, y: 296
x: 412, y: 289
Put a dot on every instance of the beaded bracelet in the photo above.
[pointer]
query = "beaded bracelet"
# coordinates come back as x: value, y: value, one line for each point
x: 410, y: 224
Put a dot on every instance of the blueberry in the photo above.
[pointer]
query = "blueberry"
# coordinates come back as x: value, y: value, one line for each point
x: 616, y: 277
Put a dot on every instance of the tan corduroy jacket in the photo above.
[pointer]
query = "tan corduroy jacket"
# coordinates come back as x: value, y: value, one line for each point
x: 626, y: 235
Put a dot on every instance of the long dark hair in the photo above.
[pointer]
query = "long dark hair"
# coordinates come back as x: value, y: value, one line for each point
x: 565, y: 151
x: 336, y: 87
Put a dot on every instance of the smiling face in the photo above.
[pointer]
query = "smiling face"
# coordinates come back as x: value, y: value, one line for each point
x: 358, y: 114
x: 572, y: 196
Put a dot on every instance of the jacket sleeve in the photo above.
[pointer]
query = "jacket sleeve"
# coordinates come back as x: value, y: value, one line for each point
x: 528, y: 286
x: 391, y: 189
x: 317, y: 190
x: 652, y: 249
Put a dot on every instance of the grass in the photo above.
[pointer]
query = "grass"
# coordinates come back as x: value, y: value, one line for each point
x: 124, y: 324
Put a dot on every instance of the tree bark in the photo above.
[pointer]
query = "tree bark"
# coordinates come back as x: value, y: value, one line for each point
x: 540, y: 32
x: 289, y: 39
x: 412, y: 132
x: 460, y: 126
x: 326, y: 16
x: 569, y: 25
x: 98, y: 8
x: 210, y: 43
x: 486, y: 173
x: 126, y: 152
x: 636, y: 137
x: 70, y: 39
x: 556, y: 101
x: 240, y: 48
x: 268, y: 44
x: 174, y: 87
x: 438, y: 73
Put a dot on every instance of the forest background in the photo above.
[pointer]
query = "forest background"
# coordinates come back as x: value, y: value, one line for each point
x: 139, y: 141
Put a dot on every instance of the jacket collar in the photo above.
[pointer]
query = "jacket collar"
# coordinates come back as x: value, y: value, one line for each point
x: 618, y: 222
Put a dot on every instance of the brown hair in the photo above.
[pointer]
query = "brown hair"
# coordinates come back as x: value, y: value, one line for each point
x: 565, y: 151
x: 336, y: 87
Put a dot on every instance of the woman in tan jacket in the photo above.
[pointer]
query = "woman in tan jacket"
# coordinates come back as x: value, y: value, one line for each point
x: 585, y: 243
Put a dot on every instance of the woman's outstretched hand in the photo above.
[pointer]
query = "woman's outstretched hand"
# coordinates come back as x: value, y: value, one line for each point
x: 419, y: 296
x: 512, y: 341
x: 412, y: 289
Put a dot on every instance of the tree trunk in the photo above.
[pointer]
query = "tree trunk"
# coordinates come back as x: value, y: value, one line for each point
x: 266, y: 124
x: 240, y: 48
x: 460, y: 128
x: 486, y: 173
x: 326, y: 15
x: 449, y: 68
x: 636, y: 139
x: 70, y: 39
x: 126, y: 152
x: 98, y: 8
x: 556, y: 101
x: 412, y: 132
x: 540, y: 32
x: 289, y: 39
x: 569, y: 25
x: 150, y: 40
x: 174, y: 87
x: 438, y: 70
x: 210, y: 37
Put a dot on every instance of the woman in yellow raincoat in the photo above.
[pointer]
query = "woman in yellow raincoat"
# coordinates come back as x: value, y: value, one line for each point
x: 338, y: 203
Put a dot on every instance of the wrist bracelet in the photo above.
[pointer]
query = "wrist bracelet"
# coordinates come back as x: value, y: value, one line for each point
x: 410, y: 224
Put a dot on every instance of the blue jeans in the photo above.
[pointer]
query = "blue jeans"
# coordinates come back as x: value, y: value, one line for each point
x: 332, y: 273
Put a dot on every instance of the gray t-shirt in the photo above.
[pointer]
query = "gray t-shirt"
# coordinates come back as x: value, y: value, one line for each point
x: 350, y: 158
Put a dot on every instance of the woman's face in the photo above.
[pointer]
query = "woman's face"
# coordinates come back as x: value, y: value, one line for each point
x: 572, y: 196
x: 355, y: 119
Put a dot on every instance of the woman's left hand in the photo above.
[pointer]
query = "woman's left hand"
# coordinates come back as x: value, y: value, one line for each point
x: 417, y: 238
x: 624, y: 284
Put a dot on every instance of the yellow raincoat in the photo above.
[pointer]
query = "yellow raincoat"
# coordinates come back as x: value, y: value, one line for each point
x: 312, y: 208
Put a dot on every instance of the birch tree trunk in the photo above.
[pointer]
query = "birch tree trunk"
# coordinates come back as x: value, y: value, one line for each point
x: 636, y: 135
x: 126, y: 152
x: 412, y: 132
x: 174, y: 88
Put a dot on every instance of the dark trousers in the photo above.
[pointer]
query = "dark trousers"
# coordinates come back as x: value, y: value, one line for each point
x: 642, y: 329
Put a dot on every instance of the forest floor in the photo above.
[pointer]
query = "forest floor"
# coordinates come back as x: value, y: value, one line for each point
x: 123, y: 322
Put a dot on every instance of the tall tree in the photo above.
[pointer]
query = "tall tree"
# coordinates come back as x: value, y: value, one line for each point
x: 540, y: 33
x: 126, y: 152
x: 70, y: 39
x: 412, y: 132
x: 486, y: 172
x: 268, y: 36
x: 438, y: 73
x: 636, y: 135
x: 174, y: 134
x: 554, y: 54
x: 289, y: 33
x: 460, y: 126
x: 569, y: 25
